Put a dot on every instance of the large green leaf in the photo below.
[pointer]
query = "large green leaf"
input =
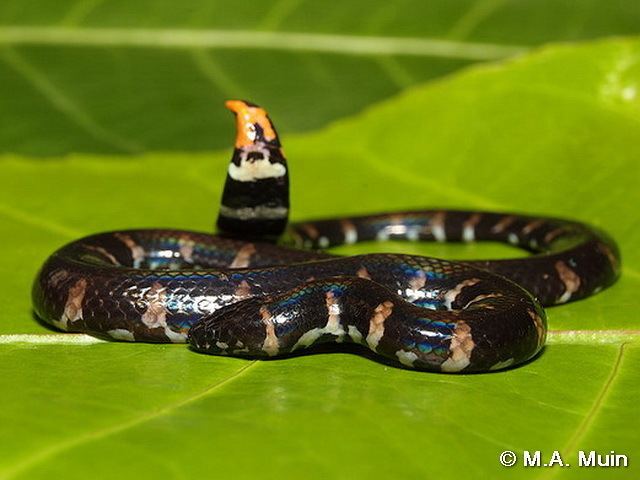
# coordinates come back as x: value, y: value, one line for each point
x: 555, y: 132
x: 132, y: 76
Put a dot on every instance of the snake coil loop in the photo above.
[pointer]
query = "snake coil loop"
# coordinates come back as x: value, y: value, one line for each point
x: 241, y: 293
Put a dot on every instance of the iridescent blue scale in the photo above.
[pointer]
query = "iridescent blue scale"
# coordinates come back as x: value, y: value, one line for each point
x: 157, y: 284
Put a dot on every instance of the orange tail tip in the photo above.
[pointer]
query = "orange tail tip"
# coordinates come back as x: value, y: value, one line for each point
x: 252, y: 124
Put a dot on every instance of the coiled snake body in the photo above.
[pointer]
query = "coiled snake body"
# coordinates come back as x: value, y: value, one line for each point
x: 241, y: 293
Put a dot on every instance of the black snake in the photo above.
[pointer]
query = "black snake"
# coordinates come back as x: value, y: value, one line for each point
x: 263, y: 289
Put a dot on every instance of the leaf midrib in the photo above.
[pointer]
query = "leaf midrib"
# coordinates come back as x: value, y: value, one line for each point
x: 584, y: 337
x: 49, y: 452
x: 249, y: 39
x: 554, y: 337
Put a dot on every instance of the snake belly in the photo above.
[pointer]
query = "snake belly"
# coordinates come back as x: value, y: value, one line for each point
x: 242, y: 294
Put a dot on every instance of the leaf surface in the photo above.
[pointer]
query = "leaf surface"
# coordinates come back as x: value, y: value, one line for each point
x: 555, y: 133
x: 115, y: 76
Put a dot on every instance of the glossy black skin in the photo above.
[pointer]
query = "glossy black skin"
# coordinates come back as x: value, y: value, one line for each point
x: 272, y: 193
x: 117, y: 296
x: 590, y: 253
x: 239, y: 294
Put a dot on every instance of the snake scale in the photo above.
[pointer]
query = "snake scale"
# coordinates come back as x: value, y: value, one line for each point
x: 265, y: 288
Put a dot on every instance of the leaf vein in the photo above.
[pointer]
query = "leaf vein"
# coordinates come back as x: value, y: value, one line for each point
x: 56, y: 449
x: 79, y: 11
x: 594, y: 410
x: 35, y: 221
x: 446, y: 188
x: 278, y: 11
x: 247, y: 39
x: 479, y: 11
x: 214, y: 73
x: 61, y: 102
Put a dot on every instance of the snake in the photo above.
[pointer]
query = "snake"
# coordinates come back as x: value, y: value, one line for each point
x: 263, y: 287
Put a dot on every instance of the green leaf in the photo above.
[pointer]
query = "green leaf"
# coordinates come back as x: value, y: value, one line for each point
x: 105, y: 77
x: 555, y: 132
